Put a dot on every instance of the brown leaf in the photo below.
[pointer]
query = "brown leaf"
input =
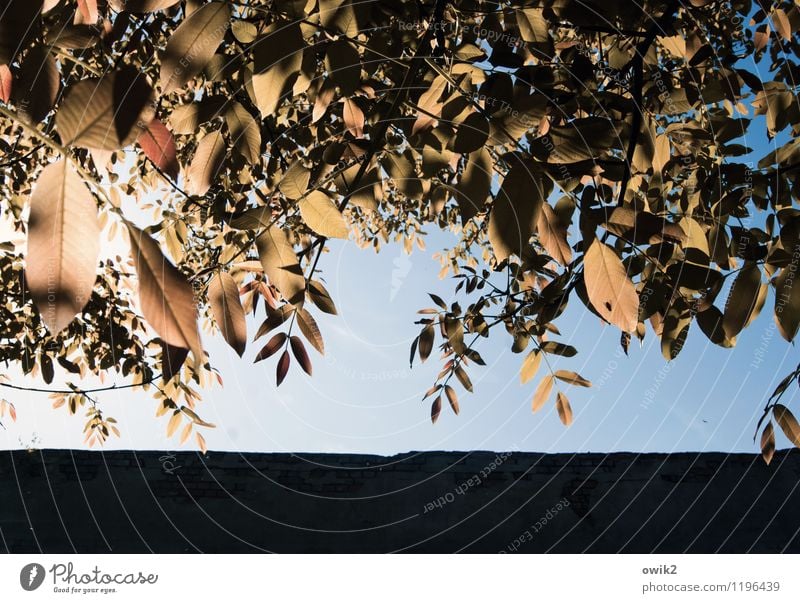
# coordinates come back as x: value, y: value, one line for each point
x: 553, y: 236
x: 159, y: 147
x: 353, y: 118
x: 223, y: 295
x: 788, y: 424
x: 542, y: 393
x: 166, y: 297
x: 105, y: 113
x: 206, y: 164
x: 322, y: 215
x: 742, y: 300
x: 572, y: 378
x: 451, y: 397
x: 273, y: 345
x: 280, y: 264
x: 474, y: 185
x: 172, y: 359
x: 515, y: 211
x: 283, y: 367
x: 278, y: 56
x: 768, y: 443
x: 6, y: 83
x: 564, y: 409
x: 529, y: 366
x: 310, y: 330
x: 36, y: 91
x: 245, y: 133
x: 426, y: 342
x: 609, y: 289
x: 88, y: 9
x: 63, y: 245
x: 320, y: 296
x: 436, y: 409
x: 300, y: 354
x: 192, y: 45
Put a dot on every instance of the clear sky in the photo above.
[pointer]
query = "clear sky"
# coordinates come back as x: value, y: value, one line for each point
x: 364, y: 398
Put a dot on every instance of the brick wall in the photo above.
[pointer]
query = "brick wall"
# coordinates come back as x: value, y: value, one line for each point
x: 59, y: 501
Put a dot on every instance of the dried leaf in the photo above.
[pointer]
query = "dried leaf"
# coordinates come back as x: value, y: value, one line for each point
x: 223, y: 295
x: 609, y: 289
x: 300, y: 354
x: 564, y: 409
x: 63, y: 245
x: 193, y: 44
x: 542, y: 393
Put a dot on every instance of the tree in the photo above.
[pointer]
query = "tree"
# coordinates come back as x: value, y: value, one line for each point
x: 276, y: 126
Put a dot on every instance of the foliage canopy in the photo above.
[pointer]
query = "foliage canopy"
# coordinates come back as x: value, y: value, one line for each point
x: 589, y: 148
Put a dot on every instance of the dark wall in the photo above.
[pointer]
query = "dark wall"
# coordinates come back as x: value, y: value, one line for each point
x: 58, y: 501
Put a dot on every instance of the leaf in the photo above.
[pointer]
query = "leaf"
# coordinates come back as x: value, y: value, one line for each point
x: 105, y: 113
x: 223, y: 295
x: 207, y: 162
x: 768, y: 443
x: 275, y: 318
x: 174, y: 423
x: 473, y: 187
x: 559, y: 349
x: 63, y: 245
x: 159, y: 147
x: 310, y: 330
x: 452, y: 398
x: 572, y: 378
x: 542, y: 393
x: 273, y: 345
x: 320, y: 296
x: 564, y: 409
x: 187, y: 431
x: 436, y: 408
x: 426, y: 342
x: 193, y: 44
x: 608, y: 287
x: 529, y: 366
x: 245, y: 133
x: 322, y: 215
x: 294, y: 183
x: 6, y: 83
x: 201, y: 442
x: 19, y: 23
x: 283, y: 367
x: 787, y: 298
x: 343, y: 64
x: 36, y: 91
x: 166, y: 297
x: 278, y: 55
x: 172, y: 359
x: 300, y: 354
x: 88, y: 9
x: 788, y: 423
x: 280, y: 264
x: 553, y: 236
x: 463, y: 378
x: 455, y: 334
x: 148, y: 6
x: 471, y: 134
x: 742, y: 300
x: 353, y: 118
x: 515, y: 211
